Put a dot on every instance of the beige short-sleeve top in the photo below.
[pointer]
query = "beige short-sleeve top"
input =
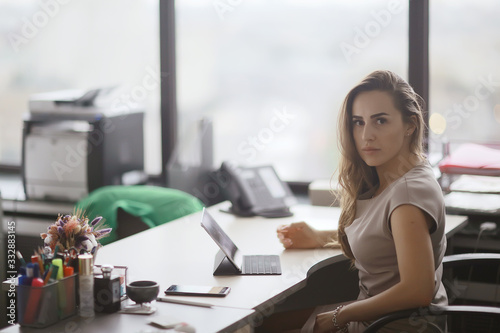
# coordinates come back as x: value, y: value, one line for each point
x: 370, y: 236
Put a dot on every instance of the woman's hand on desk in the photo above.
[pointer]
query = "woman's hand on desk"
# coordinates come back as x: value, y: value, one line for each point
x: 300, y: 235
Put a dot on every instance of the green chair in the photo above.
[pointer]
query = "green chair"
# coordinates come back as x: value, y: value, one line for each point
x: 129, y: 209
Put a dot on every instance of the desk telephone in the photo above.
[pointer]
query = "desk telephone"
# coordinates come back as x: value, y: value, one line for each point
x: 256, y: 191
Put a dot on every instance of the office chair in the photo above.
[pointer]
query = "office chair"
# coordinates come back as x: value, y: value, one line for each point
x: 423, y: 317
x: 131, y: 209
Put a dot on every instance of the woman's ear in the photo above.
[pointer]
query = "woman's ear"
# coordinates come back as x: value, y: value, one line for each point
x: 411, y: 126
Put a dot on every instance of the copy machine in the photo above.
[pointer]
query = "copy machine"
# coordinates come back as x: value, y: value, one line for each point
x: 71, y: 146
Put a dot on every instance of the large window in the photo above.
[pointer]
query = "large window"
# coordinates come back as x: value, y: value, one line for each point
x: 54, y: 44
x: 464, y: 72
x: 272, y: 74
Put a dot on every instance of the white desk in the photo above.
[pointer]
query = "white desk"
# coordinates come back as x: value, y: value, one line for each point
x: 181, y: 252
x: 206, y: 320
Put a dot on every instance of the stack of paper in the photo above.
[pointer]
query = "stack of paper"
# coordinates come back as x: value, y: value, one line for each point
x: 478, y: 184
x: 467, y: 203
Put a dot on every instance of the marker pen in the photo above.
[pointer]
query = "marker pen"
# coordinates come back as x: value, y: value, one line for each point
x: 21, y: 259
x: 29, y: 274
x: 48, y: 274
x: 56, y: 251
x: 55, y: 271
x: 68, y: 271
x: 37, y: 259
x: 36, y: 270
x: 58, y: 263
x: 22, y: 278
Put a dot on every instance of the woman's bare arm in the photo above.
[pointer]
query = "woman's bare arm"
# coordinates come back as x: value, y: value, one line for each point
x: 410, y: 229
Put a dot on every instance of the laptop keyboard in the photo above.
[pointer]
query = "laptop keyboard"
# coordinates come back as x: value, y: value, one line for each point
x: 262, y: 264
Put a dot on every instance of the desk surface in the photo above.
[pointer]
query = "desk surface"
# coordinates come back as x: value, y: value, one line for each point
x: 181, y: 252
x: 205, y: 320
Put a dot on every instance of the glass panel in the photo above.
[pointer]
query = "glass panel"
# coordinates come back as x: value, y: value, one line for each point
x: 273, y: 74
x: 465, y: 76
x: 59, y: 44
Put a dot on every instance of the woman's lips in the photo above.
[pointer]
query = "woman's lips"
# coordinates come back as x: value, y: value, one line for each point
x: 370, y: 150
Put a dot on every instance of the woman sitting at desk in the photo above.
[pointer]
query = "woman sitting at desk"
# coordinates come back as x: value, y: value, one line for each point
x: 393, y: 216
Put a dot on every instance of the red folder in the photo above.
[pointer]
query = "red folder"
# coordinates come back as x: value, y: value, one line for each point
x: 472, y: 159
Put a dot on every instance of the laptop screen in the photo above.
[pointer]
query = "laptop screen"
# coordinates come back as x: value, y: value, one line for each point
x: 221, y: 238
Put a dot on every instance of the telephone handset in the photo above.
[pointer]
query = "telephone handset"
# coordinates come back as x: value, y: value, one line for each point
x: 256, y: 191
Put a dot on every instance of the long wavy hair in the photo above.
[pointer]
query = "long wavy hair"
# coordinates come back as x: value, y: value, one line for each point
x: 354, y: 175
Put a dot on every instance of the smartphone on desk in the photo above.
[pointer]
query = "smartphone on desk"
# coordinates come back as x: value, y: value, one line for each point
x: 185, y: 290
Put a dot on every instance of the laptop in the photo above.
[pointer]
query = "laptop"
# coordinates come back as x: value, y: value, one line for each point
x: 243, y: 264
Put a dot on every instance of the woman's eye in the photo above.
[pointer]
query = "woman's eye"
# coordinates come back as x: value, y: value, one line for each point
x: 357, y: 122
x: 381, y: 121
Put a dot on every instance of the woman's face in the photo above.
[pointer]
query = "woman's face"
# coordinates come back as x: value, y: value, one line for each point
x: 380, y: 135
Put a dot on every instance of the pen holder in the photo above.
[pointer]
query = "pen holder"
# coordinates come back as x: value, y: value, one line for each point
x: 37, y: 306
x: 43, y: 306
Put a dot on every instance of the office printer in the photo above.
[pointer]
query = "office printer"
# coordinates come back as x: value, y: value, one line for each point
x: 72, y: 146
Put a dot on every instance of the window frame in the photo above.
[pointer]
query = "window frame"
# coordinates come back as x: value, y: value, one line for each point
x: 418, y: 53
x: 168, y: 90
